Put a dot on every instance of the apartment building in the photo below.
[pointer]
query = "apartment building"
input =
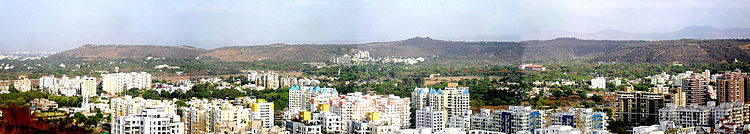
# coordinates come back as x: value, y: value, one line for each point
x: 149, y: 120
x: 599, y: 83
x: 128, y: 105
x: 696, y: 88
x: 22, y: 84
x: 515, y: 119
x: 47, y: 82
x: 453, y: 100
x: 641, y: 108
x: 584, y: 119
x: 88, y: 86
x: 693, y: 115
x: 430, y: 118
x: 118, y: 82
x: 730, y: 87
x: 392, y: 110
x: 267, y: 80
x: 300, y: 98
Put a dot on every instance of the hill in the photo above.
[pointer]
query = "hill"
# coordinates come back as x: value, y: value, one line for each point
x: 131, y: 51
x: 690, y: 32
x: 282, y: 52
x: 569, y: 48
x: 686, y: 50
x: 485, y: 52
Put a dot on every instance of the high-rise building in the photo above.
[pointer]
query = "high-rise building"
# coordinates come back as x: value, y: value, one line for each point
x: 149, y: 120
x: 641, y: 108
x: 47, y: 82
x: 300, y: 97
x: 127, y: 105
x: 660, y: 79
x: 695, y: 87
x: 454, y: 100
x: 88, y: 86
x: 430, y: 118
x: 268, y: 80
x: 730, y: 87
x: 746, y: 83
x: 119, y: 82
x: 243, y: 115
x: 599, y: 83
x: 262, y: 111
x: 23, y: 84
x: 515, y: 119
x: 391, y: 110
x: 730, y: 113
x: 693, y: 115
x: 677, y: 79
x: 584, y: 119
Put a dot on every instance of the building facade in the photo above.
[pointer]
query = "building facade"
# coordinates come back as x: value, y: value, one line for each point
x: 118, y: 82
x: 641, y: 108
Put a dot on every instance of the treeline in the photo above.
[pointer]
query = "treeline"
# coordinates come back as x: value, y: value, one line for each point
x: 211, y: 91
x: 23, y: 98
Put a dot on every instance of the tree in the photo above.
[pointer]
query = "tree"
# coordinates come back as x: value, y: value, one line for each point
x: 180, y: 103
x: 79, y: 117
x: 12, y: 89
x: 582, y: 94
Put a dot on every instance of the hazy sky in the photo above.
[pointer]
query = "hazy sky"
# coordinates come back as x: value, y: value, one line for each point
x: 29, y: 25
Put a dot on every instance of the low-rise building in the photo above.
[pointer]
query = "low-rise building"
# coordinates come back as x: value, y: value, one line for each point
x: 42, y: 104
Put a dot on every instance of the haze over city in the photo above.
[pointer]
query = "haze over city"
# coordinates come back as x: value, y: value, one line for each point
x: 63, y: 25
x: 375, y: 67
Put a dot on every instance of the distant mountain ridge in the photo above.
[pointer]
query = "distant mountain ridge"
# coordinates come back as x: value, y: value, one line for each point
x: 131, y: 51
x: 685, y: 50
x: 690, y: 32
x: 490, y: 52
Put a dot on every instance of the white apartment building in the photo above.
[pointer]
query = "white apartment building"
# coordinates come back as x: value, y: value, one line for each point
x: 290, y: 81
x: 599, y: 83
x: 462, y: 122
x: 129, y: 105
x: 453, y: 100
x: 662, y: 79
x: 300, y: 97
x: 309, y: 127
x: 268, y: 80
x: 653, y: 129
x: 198, y: 117
x: 119, y: 82
x: 677, y: 79
x: 68, y: 92
x: 308, y: 122
x: 706, y: 116
x: 149, y: 120
x: 515, y: 119
x: 584, y: 119
x: 47, y: 82
x: 392, y: 110
x: 88, y: 86
x: 691, y: 116
x: 244, y: 115
x: 226, y: 117
x: 558, y: 129
x: 23, y: 84
x: 262, y: 111
x: 730, y: 113
x: 430, y: 118
x: 330, y: 121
